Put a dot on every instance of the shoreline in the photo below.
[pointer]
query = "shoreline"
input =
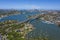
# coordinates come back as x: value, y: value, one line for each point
x: 8, y: 15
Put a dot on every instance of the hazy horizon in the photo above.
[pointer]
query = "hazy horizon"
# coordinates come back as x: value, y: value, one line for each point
x: 30, y: 4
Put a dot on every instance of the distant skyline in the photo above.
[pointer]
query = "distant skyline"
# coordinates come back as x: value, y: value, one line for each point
x: 30, y: 4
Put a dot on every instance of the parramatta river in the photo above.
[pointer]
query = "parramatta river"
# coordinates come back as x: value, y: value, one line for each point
x: 51, y: 31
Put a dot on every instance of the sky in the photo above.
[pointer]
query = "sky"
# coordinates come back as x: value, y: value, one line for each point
x: 30, y: 4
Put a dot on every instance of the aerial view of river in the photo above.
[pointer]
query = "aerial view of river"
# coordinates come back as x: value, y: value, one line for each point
x: 51, y: 31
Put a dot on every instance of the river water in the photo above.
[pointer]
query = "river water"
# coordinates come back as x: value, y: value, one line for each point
x: 51, y: 31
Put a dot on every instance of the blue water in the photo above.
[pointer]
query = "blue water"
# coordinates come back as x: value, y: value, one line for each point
x: 19, y: 17
x: 51, y: 31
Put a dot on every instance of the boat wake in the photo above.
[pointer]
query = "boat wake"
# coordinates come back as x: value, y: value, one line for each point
x: 48, y: 22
